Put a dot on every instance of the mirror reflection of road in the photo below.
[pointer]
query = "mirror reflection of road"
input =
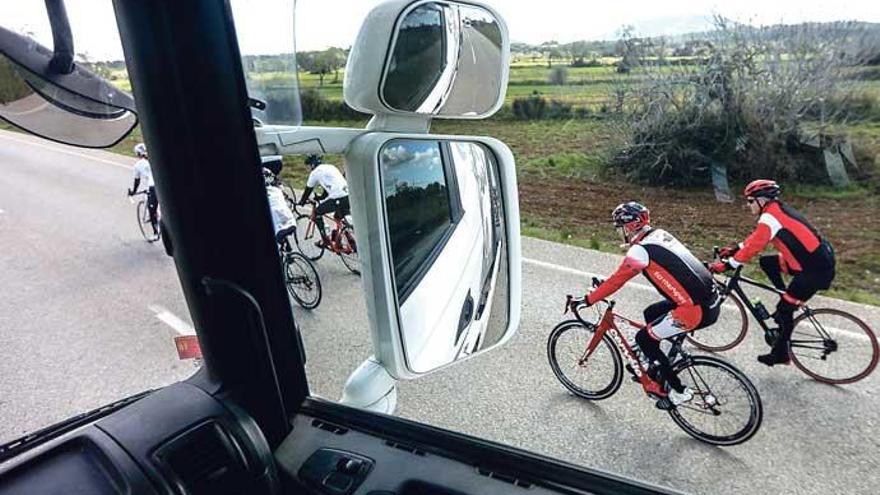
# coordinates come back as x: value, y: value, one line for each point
x: 68, y: 240
x: 477, y: 74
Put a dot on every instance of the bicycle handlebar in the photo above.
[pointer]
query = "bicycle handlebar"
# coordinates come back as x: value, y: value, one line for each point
x: 131, y: 196
x: 716, y: 255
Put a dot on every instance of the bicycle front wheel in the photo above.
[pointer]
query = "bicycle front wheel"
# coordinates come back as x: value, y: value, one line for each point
x: 727, y: 332
x: 143, y: 218
x: 306, y: 236
x: 347, y: 250
x: 833, y: 346
x: 302, y: 280
x: 595, y: 378
x: 726, y: 408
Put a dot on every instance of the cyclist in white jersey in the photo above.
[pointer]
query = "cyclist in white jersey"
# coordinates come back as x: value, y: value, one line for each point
x: 335, y: 197
x: 143, y: 174
x: 283, y: 220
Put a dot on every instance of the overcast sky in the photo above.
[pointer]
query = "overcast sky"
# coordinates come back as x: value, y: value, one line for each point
x: 264, y: 25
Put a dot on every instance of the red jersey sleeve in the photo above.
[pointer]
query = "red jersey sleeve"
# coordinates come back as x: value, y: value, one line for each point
x: 754, y: 244
x: 635, y: 261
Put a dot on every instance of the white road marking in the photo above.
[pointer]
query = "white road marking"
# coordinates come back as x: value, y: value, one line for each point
x: 66, y: 152
x: 588, y: 275
x: 170, y: 319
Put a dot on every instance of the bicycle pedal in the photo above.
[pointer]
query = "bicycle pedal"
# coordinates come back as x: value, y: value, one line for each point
x: 664, y: 404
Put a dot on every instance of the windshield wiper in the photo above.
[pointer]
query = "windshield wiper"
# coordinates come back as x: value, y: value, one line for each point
x: 13, y: 448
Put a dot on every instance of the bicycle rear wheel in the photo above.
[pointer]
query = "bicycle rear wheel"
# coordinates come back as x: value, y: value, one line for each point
x: 596, y: 379
x: 302, y: 280
x: 833, y: 346
x: 348, y: 250
x: 305, y: 236
x: 727, y: 332
x: 143, y: 218
x: 726, y: 408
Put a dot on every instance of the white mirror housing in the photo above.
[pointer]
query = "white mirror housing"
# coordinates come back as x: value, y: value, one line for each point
x: 475, y: 67
x: 407, y: 343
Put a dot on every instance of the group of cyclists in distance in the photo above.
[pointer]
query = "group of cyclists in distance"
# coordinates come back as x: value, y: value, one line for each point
x: 691, y: 298
x: 332, y: 200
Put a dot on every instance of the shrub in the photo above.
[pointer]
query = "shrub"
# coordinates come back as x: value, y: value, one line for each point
x: 529, y: 108
x: 586, y: 63
x: 536, y: 107
x: 558, y: 76
x: 317, y: 107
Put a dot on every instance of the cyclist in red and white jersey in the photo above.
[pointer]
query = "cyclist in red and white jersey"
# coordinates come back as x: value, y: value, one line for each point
x: 691, y: 300
x: 803, y: 253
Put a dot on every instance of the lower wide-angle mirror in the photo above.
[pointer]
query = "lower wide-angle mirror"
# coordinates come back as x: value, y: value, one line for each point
x: 444, y: 254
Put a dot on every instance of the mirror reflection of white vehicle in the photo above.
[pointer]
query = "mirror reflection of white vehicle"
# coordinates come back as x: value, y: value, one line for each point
x: 450, y: 243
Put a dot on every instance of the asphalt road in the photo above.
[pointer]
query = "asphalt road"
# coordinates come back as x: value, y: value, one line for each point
x: 477, y: 75
x: 88, y: 315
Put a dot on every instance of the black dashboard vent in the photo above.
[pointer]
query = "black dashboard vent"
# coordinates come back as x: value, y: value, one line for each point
x: 404, y: 447
x: 339, y: 430
x: 513, y: 480
x: 205, y: 461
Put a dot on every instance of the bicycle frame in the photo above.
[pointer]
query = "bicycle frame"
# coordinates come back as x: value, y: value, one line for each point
x: 733, y: 285
x: 339, y: 223
x: 607, y: 325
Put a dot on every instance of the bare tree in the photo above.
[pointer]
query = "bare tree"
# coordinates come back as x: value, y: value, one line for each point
x: 748, y: 105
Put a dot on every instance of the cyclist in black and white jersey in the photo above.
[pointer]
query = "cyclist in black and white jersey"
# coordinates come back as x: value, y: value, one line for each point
x: 143, y: 174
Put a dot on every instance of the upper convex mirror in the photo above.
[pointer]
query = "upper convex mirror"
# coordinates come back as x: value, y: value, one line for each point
x: 447, y: 60
x: 444, y: 59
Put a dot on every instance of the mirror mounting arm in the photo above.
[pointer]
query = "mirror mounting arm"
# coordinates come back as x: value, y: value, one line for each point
x: 371, y: 387
x: 62, y: 60
x: 414, y: 124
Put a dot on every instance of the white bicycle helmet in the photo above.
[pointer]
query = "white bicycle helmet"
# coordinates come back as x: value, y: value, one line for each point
x: 268, y: 177
x: 140, y: 149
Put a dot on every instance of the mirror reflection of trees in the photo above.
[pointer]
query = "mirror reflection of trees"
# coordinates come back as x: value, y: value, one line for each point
x: 417, y: 202
x: 418, y: 59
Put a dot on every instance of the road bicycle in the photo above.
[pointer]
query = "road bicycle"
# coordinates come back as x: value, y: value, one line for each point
x: 150, y: 232
x: 300, y: 275
x: 587, y: 358
x: 829, y: 345
x: 341, y: 240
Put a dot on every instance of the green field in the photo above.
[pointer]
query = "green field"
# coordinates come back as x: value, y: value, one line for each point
x: 565, y: 196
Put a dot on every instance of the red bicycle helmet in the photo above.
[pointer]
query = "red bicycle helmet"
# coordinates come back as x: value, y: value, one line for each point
x: 631, y: 216
x: 762, y: 188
